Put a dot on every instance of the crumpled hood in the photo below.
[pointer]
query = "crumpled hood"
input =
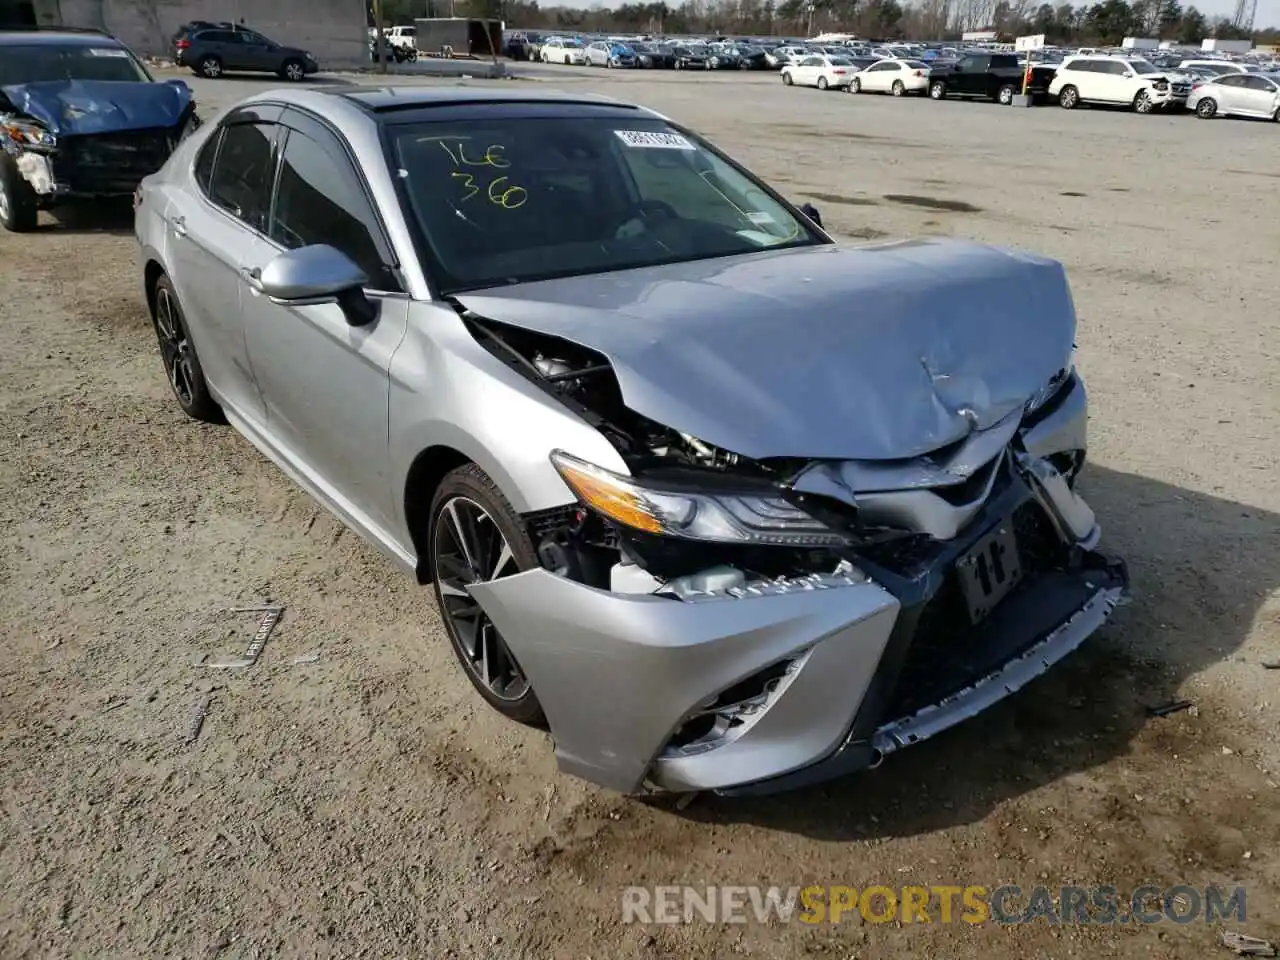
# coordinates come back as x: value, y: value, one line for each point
x: 875, y: 352
x: 100, y: 106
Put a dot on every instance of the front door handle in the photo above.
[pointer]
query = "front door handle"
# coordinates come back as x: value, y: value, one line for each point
x: 253, y: 277
x: 179, y: 225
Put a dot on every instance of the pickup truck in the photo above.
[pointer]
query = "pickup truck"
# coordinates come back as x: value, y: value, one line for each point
x: 991, y: 76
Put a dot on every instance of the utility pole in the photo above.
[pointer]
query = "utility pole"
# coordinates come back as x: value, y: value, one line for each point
x: 379, y: 42
x: 809, y: 32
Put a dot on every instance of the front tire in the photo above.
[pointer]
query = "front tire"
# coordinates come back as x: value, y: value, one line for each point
x: 19, y: 204
x: 1005, y: 95
x: 938, y: 90
x: 1068, y: 98
x: 178, y: 355
x: 786, y: 78
x: 294, y: 70
x: 476, y: 536
x: 1207, y: 109
x: 1142, y: 103
x: 898, y: 89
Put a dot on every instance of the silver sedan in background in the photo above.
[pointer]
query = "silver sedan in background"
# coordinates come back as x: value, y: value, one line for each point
x: 1254, y: 95
x: 724, y: 504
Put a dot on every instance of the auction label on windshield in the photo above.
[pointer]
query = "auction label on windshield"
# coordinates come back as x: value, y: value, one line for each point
x: 660, y: 141
x: 108, y: 52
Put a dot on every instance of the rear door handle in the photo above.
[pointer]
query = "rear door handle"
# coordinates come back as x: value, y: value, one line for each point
x: 253, y: 277
x: 179, y: 225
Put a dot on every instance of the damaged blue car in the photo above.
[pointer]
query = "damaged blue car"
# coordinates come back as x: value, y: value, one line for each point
x: 80, y: 118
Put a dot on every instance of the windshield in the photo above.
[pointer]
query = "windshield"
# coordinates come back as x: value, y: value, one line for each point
x: 1141, y: 66
x: 509, y: 201
x: 40, y: 63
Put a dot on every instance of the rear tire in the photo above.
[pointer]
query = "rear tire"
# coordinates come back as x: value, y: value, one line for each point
x: 178, y: 354
x: 1068, y: 97
x: 822, y: 83
x: 211, y: 68
x: 1207, y: 109
x: 855, y: 85
x: 786, y: 78
x: 468, y: 506
x: 898, y: 89
x: 19, y: 204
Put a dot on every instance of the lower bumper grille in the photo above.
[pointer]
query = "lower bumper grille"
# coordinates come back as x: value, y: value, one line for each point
x: 947, y: 652
x: 112, y: 162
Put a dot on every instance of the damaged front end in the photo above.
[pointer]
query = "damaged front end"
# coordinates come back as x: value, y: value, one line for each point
x: 716, y: 622
x: 83, y: 139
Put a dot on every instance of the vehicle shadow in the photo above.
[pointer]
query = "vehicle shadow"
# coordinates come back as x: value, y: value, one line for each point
x: 1202, y: 567
x: 113, y: 217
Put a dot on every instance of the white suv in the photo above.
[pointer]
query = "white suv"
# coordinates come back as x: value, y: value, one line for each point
x: 401, y: 37
x: 1118, y: 80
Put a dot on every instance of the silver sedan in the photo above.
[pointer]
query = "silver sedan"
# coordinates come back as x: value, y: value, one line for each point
x: 723, y: 503
x: 1237, y: 95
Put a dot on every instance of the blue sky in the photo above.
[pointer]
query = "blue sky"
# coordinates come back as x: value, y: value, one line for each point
x: 1268, y: 10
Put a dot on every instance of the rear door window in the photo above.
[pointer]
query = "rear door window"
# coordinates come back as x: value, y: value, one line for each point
x: 241, y: 181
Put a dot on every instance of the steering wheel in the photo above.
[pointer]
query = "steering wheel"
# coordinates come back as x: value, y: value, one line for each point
x: 641, y: 215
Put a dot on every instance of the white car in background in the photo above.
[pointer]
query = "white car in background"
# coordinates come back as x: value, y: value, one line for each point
x: 1129, y: 81
x: 559, y: 50
x: 820, y: 70
x: 1221, y: 67
x: 784, y: 56
x: 897, y: 77
x: 1237, y: 95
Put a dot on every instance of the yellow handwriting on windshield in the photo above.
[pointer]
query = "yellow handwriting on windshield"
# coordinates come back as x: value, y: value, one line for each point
x: 470, y: 161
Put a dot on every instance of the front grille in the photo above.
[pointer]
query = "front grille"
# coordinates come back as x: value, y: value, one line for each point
x: 947, y: 651
x: 112, y: 162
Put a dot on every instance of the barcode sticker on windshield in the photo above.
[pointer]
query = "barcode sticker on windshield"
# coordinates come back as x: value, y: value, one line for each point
x: 660, y: 141
x: 107, y: 52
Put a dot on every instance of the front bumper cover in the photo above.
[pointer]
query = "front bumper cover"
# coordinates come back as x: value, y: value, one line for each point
x: 872, y: 665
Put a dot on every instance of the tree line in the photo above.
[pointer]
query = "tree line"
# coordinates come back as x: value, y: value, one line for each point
x: 1103, y: 23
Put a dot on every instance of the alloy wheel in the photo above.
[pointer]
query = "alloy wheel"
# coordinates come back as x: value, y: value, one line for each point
x: 1006, y: 96
x: 294, y: 71
x: 1142, y: 103
x: 1206, y: 108
x: 211, y: 68
x: 468, y: 547
x: 4, y: 204
x: 175, y: 348
x: 898, y: 89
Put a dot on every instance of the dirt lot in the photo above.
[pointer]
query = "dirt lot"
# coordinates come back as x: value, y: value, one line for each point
x: 366, y: 805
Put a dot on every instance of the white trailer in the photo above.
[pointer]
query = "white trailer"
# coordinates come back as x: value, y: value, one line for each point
x: 1140, y: 43
x: 1226, y: 46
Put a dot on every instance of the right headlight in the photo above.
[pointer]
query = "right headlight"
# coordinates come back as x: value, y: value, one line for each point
x: 714, y: 516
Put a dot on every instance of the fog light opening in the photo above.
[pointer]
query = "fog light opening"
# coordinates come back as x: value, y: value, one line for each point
x: 723, y: 717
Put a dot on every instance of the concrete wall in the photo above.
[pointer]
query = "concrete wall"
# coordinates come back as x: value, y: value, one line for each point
x: 334, y: 30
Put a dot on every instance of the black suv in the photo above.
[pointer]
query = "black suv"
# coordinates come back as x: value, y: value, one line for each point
x: 212, y: 51
x: 80, y: 118
x: 991, y: 76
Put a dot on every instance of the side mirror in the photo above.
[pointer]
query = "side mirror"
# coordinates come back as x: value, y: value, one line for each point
x: 319, y: 274
x: 810, y: 211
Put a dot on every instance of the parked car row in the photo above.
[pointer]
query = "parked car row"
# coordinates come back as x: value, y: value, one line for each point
x: 1078, y: 80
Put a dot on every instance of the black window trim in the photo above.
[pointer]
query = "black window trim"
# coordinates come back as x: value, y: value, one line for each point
x: 272, y: 113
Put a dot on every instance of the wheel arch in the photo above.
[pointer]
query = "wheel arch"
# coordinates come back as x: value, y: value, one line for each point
x: 426, y: 472
x: 152, y: 272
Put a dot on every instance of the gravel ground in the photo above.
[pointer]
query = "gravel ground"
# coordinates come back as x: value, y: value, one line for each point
x: 366, y: 805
